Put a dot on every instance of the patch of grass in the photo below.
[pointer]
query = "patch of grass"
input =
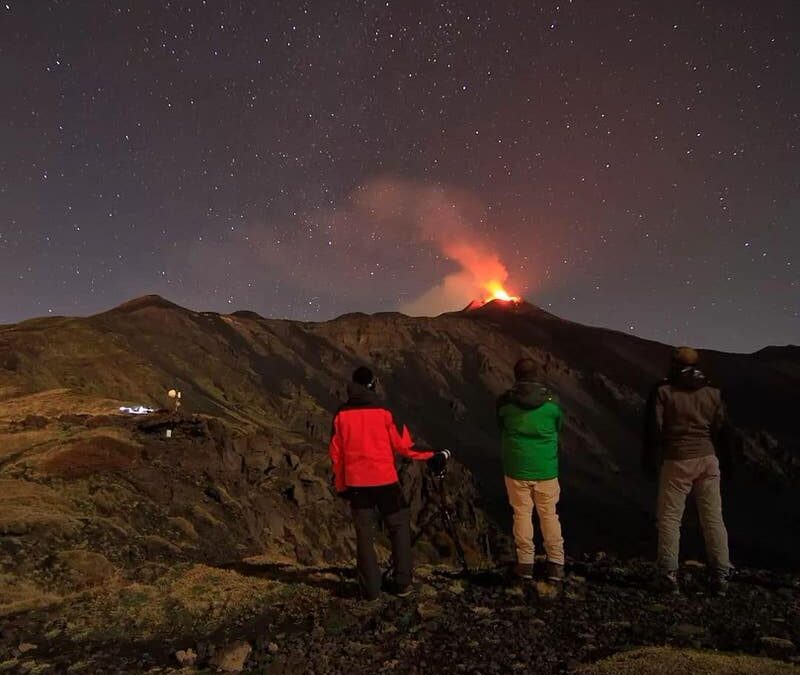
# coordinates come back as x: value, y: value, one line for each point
x: 136, y: 597
x: 27, y: 506
x: 84, y: 569
x: 668, y: 661
x: 338, y: 620
x: 194, y: 598
x: 53, y: 402
x: 23, y: 440
x: 35, y: 668
x: 90, y: 455
x: 18, y: 595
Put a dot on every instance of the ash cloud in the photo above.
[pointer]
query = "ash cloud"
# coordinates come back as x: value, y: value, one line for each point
x: 446, y: 219
x: 389, y: 243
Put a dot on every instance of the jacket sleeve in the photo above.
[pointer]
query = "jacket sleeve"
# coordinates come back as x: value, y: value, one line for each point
x: 501, y: 401
x: 722, y: 437
x: 653, y: 424
x: 336, y: 451
x: 402, y: 443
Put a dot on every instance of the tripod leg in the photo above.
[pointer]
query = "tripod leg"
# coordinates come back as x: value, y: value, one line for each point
x: 449, y: 524
x: 450, y: 528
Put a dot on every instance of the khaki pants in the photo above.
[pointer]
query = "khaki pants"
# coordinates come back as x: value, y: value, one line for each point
x: 524, y: 495
x: 679, y: 477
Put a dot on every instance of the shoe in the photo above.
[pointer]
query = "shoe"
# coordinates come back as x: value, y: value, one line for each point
x: 555, y: 572
x: 523, y: 570
x: 719, y: 581
x: 398, y: 590
x: 667, y: 583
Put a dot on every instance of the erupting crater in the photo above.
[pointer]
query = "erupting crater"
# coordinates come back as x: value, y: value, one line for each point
x: 495, y: 292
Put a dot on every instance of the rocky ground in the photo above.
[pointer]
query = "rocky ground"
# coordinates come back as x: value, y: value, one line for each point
x: 267, y: 618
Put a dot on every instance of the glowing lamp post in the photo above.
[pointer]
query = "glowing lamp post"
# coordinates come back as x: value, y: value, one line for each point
x: 175, y: 395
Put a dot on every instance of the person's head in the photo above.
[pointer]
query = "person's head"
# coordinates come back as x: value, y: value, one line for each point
x: 526, y: 370
x: 363, y: 376
x: 685, y: 356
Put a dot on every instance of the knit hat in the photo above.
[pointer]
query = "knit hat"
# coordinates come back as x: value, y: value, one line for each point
x: 526, y: 370
x: 363, y: 376
x: 685, y: 356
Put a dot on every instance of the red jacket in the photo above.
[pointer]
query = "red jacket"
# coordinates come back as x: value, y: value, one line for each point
x: 364, y: 441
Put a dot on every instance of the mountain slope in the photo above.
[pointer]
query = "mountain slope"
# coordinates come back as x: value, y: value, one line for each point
x: 441, y: 376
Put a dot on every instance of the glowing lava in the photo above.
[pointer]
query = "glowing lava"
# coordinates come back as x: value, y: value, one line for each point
x: 497, y: 292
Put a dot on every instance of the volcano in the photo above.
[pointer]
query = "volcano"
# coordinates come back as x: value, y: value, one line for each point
x: 509, y: 304
x: 502, y: 304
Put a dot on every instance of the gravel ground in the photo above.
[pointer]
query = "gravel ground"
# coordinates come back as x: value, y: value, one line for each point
x: 483, y: 623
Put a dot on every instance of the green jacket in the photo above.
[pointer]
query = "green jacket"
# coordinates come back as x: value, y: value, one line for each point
x: 530, y: 418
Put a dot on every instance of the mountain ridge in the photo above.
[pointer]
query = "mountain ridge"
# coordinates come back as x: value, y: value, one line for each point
x: 489, y: 308
x: 440, y: 374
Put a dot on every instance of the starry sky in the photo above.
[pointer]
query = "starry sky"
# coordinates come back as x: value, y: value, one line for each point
x: 634, y: 165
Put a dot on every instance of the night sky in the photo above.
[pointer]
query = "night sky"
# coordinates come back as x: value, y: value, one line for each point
x: 634, y: 165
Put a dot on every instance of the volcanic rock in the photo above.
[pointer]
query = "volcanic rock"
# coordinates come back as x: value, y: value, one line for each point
x: 231, y: 658
x: 775, y: 646
x: 687, y: 630
x: 186, y: 657
x: 547, y: 591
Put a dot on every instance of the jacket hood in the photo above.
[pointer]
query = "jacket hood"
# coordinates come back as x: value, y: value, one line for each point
x: 688, y: 377
x: 529, y: 394
x: 359, y: 395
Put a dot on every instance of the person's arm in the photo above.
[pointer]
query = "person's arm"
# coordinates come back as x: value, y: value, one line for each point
x: 653, y: 424
x: 402, y: 443
x: 658, y: 428
x: 336, y: 450
x: 722, y: 438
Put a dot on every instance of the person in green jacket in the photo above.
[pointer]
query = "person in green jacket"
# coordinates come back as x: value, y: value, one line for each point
x: 530, y: 419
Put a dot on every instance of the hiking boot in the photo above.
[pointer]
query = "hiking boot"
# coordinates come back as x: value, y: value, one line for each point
x: 667, y: 583
x: 523, y: 570
x: 398, y: 590
x: 555, y: 572
x: 719, y: 581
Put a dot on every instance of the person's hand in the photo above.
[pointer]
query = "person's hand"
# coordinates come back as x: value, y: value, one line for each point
x: 344, y: 494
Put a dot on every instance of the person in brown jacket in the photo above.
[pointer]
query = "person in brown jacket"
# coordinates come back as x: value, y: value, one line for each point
x: 688, y: 434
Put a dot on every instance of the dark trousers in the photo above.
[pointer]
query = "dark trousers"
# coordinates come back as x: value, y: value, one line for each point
x: 388, y: 500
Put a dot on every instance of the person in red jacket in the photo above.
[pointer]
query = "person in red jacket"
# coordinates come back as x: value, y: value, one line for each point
x: 362, y: 449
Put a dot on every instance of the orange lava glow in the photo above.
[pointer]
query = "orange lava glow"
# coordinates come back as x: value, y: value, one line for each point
x: 497, y: 292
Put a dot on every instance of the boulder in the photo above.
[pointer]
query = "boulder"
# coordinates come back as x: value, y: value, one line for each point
x: 777, y: 647
x: 231, y: 658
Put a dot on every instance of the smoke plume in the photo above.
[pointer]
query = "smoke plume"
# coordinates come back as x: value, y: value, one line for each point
x: 449, y: 220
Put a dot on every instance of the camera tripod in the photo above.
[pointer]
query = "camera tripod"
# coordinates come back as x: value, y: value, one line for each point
x: 446, y: 512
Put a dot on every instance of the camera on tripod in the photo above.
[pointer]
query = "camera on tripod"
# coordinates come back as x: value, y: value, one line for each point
x: 438, y: 463
x: 444, y: 510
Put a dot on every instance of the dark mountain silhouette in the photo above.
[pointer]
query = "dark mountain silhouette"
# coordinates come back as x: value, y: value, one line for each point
x: 441, y: 376
x: 123, y: 549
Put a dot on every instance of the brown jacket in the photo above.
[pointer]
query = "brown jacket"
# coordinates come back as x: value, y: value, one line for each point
x: 689, y: 415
